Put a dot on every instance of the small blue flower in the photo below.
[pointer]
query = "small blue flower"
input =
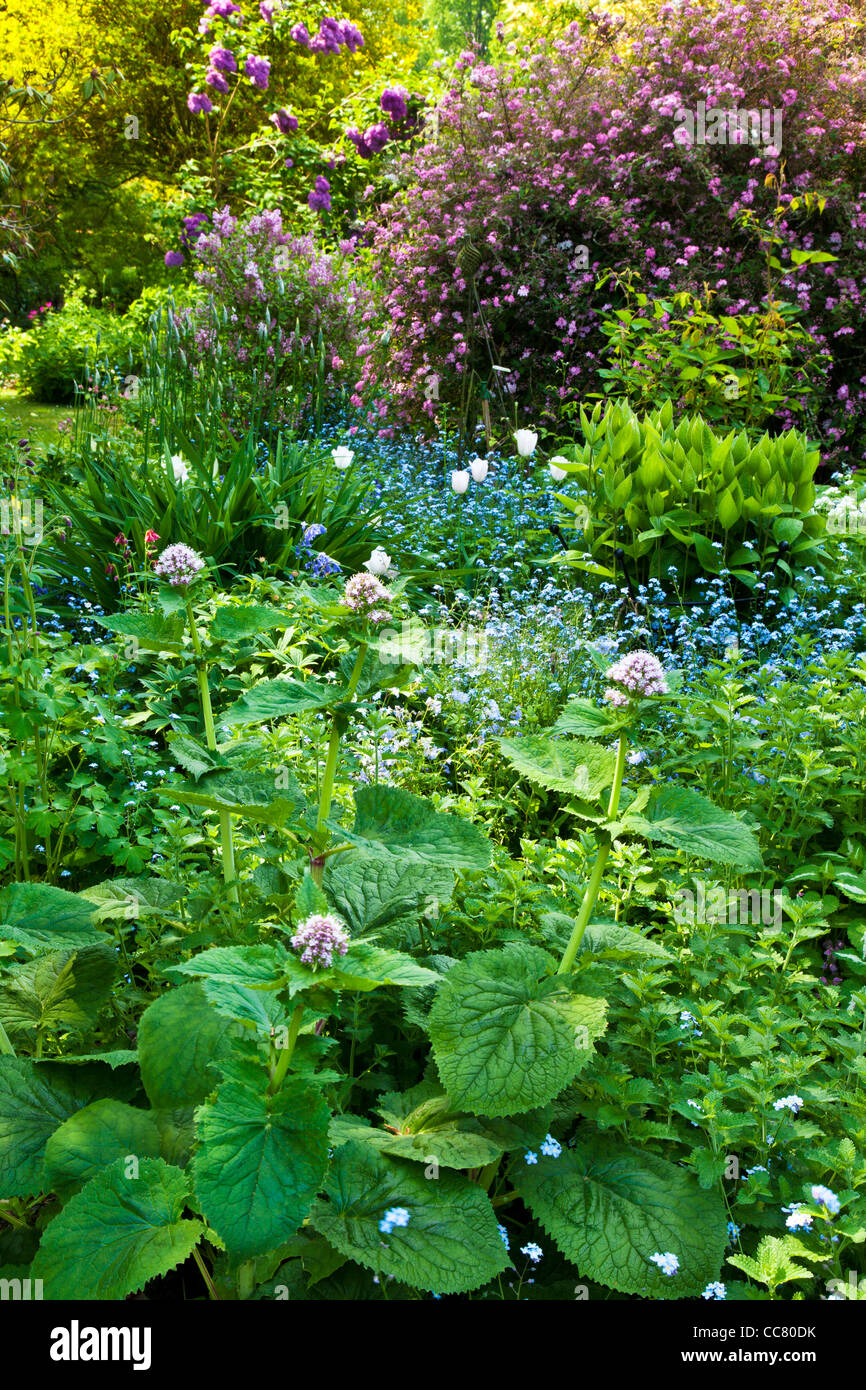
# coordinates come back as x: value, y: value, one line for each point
x: 504, y: 1234
x: 667, y: 1263
x: 532, y: 1252
x: 823, y: 1197
x: 551, y: 1147
x: 394, y: 1216
x: 714, y: 1291
x: 531, y: 1158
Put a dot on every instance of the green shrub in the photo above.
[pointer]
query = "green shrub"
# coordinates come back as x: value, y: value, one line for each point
x: 663, y: 497
x: 58, y: 356
x: 233, y: 507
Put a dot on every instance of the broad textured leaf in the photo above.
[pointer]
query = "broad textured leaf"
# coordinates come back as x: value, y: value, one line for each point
x: 180, y: 1039
x: 432, y: 1130
x: 451, y: 1243
x: 235, y: 624
x: 261, y: 1008
x: 118, y: 1057
x: 153, y: 631
x: 95, y: 1137
x: 606, y: 940
x: 365, y: 966
x: 453, y: 1144
x: 371, y: 890
x: 194, y: 757
x: 260, y: 1162
x: 251, y: 794
x: 506, y: 1035
x: 274, y: 699
x: 236, y: 965
x: 31, y: 1108
x: 581, y: 769
x: 609, y: 1207
x: 117, y: 1233
x: 62, y: 990
x: 40, y: 917
x: 309, y: 898
x: 688, y: 821
x: 584, y: 719
x: 132, y: 898
x: 390, y: 820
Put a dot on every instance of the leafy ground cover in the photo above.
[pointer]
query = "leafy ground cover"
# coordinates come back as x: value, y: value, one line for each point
x: 433, y: 862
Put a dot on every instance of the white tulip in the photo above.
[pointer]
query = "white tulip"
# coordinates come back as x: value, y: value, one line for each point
x: 179, y: 468
x: 478, y: 468
x: 379, y: 562
x: 460, y: 480
x: 342, y: 456
x: 557, y: 473
x: 526, y: 441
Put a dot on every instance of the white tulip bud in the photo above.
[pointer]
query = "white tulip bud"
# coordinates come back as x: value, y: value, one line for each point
x: 479, y: 468
x: 460, y: 479
x: 342, y: 457
x: 179, y: 468
x: 526, y: 441
x: 379, y: 562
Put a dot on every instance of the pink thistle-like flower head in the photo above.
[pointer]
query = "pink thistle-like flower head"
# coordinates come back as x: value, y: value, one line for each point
x: 322, y: 936
x: 638, y: 674
x: 178, y: 565
x: 366, y: 595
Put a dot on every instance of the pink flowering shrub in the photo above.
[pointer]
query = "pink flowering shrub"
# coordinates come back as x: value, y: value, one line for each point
x: 275, y: 303
x: 566, y: 158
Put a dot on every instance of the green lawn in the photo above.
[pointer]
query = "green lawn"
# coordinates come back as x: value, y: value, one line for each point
x: 37, y: 422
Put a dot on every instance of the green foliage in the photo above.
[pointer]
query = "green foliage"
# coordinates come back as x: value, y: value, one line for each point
x: 507, y: 1035
x: 653, y: 496
x: 233, y: 508
x: 732, y: 369
x: 118, y: 1233
x: 451, y: 1242
x: 610, y: 1208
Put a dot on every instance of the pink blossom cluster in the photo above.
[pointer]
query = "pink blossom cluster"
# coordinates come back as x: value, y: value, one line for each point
x: 269, y: 295
x: 178, y: 565
x: 570, y: 143
x: 322, y: 937
x: 639, y: 674
x: 367, y: 596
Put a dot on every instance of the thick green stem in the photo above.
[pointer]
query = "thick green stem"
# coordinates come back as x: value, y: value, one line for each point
x: 246, y: 1279
x: 203, y: 1269
x: 282, y: 1066
x: 333, y: 754
x: 590, y: 896
x: 226, y: 840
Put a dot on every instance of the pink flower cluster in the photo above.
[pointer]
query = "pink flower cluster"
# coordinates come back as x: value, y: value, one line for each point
x: 640, y: 674
x: 561, y: 163
x: 269, y: 293
x: 178, y: 565
x: 322, y: 936
x: 365, y: 595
